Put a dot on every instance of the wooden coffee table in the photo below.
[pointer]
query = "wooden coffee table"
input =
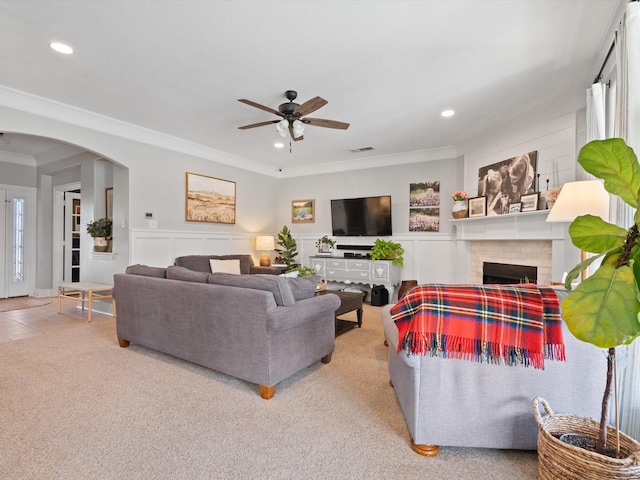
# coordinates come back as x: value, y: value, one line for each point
x: 349, y: 301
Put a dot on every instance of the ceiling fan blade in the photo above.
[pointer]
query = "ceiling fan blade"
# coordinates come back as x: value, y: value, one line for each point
x: 261, y: 107
x: 292, y: 133
x: 321, y: 122
x: 310, y: 106
x: 261, y: 124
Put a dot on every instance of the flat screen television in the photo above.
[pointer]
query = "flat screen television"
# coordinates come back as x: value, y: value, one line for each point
x: 367, y: 216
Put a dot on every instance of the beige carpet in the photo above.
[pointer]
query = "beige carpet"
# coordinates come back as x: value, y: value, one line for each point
x: 19, y: 303
x: 75, y: 405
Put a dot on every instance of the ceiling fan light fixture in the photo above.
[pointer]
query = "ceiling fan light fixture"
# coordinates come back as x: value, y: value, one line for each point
x: 282, y: 127
x: 298, y: 128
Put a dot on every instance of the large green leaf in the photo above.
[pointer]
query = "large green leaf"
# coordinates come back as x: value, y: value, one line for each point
x: 603, y: 309
x: 593, y: 234
x: 615, y: 162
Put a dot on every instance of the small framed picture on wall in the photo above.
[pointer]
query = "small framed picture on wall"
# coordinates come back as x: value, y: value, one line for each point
x: 303, y: 211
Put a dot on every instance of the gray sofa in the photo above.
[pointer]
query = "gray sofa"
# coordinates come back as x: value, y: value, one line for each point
x: 450, y: 402
x: 259, y: 328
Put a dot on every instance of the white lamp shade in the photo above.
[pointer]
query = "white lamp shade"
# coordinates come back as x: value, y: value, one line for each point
x: 580, y: 198
x: 265, y: 243
x: 298, y: 128
x: 282, y: 127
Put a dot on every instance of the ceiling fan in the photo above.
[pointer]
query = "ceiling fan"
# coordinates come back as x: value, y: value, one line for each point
x: 292, y: 116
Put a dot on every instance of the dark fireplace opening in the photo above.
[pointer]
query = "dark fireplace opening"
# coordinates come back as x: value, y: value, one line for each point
x: 505, y: 273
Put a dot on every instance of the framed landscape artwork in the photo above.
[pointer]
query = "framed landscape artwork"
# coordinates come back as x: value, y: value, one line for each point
x: 210, y: 199
x: 303, y: 211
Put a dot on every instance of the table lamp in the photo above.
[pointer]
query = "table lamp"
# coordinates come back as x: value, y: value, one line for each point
x: 265, y: 243
x: 586, y: 197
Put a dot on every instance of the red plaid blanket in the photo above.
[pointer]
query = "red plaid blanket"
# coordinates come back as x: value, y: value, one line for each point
x: 509, y: 324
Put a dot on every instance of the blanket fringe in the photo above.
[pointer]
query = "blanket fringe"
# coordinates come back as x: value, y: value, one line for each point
x: 444, y: 346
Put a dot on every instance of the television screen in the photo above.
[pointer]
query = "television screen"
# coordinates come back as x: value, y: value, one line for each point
x: 368, y: 216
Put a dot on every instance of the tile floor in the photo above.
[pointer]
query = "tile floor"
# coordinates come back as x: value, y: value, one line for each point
x: 28, y: 322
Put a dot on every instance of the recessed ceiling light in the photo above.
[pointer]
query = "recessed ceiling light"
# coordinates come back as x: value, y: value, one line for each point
x: 61, y: 48
x: 447, y: 113
x: 278, y: 144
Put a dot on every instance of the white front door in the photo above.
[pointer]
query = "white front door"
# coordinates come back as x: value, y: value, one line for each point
x: 18, y: 242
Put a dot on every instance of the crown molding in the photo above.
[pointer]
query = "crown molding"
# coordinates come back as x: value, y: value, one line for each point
x: 443, y: 153
x: 52, y: 109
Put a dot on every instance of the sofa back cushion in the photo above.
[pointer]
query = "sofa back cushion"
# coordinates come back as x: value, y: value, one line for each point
x: 275, y: 284
x: 200, y: 263
x: 146, y: 271
x: 186, y: 275
x: 304, y: 287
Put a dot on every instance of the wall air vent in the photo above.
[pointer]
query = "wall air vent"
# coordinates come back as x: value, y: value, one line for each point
x: 362, y: 149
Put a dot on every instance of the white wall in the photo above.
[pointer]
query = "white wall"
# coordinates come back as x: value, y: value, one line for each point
x: 429, y: 256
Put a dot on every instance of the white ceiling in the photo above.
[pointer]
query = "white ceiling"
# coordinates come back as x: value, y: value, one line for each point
x: 386, y: 67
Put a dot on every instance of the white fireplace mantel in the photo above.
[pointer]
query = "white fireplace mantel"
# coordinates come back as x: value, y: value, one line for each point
x: 515, y: 226
x: 512, y: 226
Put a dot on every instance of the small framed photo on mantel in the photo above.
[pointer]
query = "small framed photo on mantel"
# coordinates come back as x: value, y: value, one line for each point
x: 515, y: 207
x: 477, y: 207
x: 530, y: 202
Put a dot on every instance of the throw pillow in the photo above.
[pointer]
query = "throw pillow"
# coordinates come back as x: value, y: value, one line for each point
x: 186, y: 275
x: 225, y: 266
x: 275, y: 284
x: 304, y: 287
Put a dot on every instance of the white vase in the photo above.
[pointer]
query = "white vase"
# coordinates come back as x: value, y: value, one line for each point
x: 460, y: 209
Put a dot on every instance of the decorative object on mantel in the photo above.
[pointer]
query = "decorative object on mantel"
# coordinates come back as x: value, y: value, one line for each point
x: 530, y: 202
x: 388, y: 250
x: 551, y: 196
x: 100, y: 231
x: 325, y: 244
x: 460, y: 208
x: 603, y: 309
x: 477, y: 207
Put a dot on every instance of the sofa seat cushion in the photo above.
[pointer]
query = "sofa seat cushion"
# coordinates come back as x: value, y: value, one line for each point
x: 186, y: 275
x: 146, y: 271
x: 277, y: 285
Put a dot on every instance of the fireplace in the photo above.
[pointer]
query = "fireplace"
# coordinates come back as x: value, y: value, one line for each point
x: 506, y: 273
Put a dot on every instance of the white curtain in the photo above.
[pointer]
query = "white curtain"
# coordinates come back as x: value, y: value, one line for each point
x: 627, y: 126
x: 596, y: 108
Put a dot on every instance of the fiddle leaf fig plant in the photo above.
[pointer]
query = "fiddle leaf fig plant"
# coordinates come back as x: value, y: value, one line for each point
x: 288, y: 247
x: 604, y: 308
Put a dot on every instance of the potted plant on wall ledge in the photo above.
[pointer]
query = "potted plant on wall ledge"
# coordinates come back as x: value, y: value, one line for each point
x: 603, y: 310
x: 100, y: 230
x: 387, y: 250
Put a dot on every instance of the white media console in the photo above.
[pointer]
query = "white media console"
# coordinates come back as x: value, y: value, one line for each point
x: 358, y: 270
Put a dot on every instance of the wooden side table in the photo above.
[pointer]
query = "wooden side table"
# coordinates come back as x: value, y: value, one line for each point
x: 85, y: 292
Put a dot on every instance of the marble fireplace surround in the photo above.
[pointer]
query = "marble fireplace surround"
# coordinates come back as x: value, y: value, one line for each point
x: 521, y: 238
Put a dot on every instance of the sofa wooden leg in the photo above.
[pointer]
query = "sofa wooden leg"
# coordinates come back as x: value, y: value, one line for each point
x: 123, y: 343
x: 267, y: 392
x: 426, y: 450
x: 326, y: 358
x: 391, y: 384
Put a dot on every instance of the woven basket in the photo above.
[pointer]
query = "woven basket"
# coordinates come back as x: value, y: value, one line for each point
x: 559, y: 460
